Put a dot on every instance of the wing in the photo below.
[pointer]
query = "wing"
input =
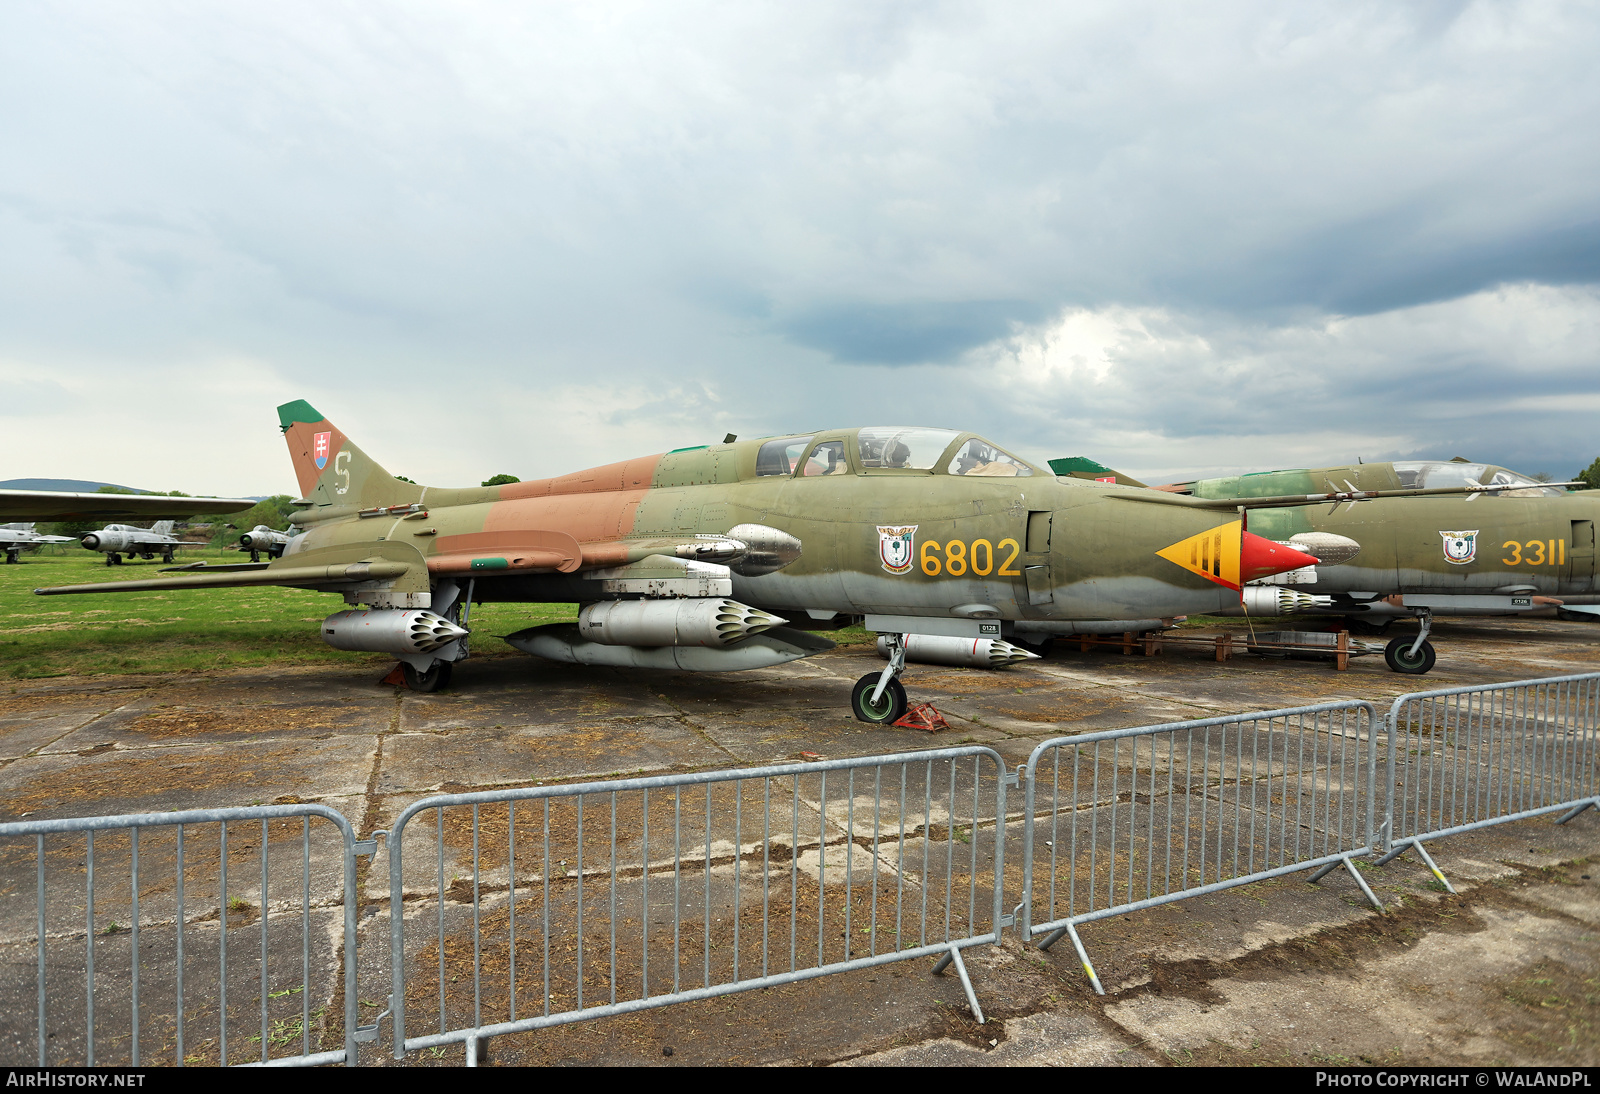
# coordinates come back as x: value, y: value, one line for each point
x: 51, y: 505
x: 1337, y: 497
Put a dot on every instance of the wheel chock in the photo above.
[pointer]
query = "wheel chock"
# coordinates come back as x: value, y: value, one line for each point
x: 923, y: 716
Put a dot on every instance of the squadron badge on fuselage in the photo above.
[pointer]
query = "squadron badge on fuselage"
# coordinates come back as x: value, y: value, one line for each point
x: 894, y: 547
x: 1460, y: 548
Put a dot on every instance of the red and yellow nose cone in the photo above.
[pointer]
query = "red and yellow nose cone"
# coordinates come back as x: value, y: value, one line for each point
x: 1230, y: 556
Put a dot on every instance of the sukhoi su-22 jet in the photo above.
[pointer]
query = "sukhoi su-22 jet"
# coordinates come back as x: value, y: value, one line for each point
x: 732, y: 555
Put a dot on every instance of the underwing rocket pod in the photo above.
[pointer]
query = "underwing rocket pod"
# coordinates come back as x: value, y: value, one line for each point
x: 975, y: 653
x: 1282, y: 600
x: 707, y: 621
x: 563, y: 642
x: 403, y: 631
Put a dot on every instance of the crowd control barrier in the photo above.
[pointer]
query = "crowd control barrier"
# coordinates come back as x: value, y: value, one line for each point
x: 229, y: 936
x: 1132, y: 818
x: 521, y: 909
x: 196, y: 937
x: 1466, y: 758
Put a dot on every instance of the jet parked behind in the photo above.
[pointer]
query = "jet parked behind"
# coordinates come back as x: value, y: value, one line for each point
x: 17, y: 538
x: 1501, y: 544
x: 117, y: 540
x: 262, y: 540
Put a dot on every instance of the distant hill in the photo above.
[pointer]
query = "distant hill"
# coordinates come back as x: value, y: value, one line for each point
x: 73, y: 486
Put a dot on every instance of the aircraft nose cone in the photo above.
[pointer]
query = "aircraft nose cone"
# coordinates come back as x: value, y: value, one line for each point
x: 1259, y: 557
x: 91, y: 541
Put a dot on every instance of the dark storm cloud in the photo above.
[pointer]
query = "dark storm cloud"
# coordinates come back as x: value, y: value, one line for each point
x: 663, y: 222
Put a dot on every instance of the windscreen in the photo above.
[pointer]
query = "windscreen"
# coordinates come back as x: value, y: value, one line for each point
x: 905, y: 447
x: 778, y: 457
x: 979, y: 457
x: 1424, y: 474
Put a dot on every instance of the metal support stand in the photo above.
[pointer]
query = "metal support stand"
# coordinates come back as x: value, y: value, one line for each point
x: 1069, y: 931
x: 953, y: 956
x: 1405, y: 845
x: 897, y: 664
x: 1592, y: 803
x: 1361, y: 881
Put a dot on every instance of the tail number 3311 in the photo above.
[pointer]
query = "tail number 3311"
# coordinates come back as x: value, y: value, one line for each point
x: 978, y: 557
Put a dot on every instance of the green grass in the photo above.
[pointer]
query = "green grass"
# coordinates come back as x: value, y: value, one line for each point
x: 185, y: 630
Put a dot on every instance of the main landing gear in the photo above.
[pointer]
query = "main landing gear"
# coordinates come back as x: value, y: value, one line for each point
x: 437, y: 676
x: 879, y: 697
x: 1412, y: 656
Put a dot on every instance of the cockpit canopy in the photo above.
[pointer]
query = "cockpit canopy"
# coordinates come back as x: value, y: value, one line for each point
x: 1423, y: 474
x: 903, y: 448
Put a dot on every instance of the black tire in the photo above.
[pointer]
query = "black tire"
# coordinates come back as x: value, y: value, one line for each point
x: 437, y: 676
x: 891, y: 705
x: 114, y: 560
x: 1398, y: 654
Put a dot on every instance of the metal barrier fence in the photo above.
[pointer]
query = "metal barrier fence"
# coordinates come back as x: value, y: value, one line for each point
x: 1465, y: 758
x: 566, y: 903
x: 126, y: 907
x: 172, y: 937
x: 1144, y: 816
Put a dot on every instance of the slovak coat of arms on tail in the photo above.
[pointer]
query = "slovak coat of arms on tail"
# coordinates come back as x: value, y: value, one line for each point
x: 894, y: 547
x: 1460, y: 548
x: 319, y: 449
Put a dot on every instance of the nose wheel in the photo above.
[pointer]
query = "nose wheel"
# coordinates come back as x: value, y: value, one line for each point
x: 1412, y: 656
x: 879, y: 697
x: 890, y: 706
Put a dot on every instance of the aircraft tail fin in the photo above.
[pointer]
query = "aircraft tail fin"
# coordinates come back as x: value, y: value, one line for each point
x: 162, y: 527
x: 329, y: 467
x: 1082, y: 467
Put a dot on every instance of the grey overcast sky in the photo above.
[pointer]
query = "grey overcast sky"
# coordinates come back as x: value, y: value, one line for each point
x: 508, y: 237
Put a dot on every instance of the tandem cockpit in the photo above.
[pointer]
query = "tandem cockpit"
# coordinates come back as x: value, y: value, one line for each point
x: 1433, y: 473
x: 913, y: 450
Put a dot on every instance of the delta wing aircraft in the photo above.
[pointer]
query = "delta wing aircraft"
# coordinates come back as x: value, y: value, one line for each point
x: 17, y: 538
x: 262, y: 540
x: 1495, y: 542
x: 117, y: 540
x: 728, y: 556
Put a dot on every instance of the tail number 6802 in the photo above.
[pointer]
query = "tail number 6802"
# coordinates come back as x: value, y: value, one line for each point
x: 978, y: 557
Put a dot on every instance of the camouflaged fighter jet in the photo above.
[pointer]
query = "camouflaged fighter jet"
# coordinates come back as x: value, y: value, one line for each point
x: 728, y: 556
x: 1499, y: 543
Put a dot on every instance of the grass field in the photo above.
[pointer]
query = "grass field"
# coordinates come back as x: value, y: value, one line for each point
x: 173, y: 631
x: 187, y: 630
x: 193, y: 630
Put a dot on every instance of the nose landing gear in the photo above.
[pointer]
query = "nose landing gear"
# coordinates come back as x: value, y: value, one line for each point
x: 1412, y: 656
x: 879, y: 697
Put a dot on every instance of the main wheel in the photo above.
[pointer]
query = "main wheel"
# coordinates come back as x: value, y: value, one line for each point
x: 1401, y: 659
x: 436, y: 677
x: 890, y: 707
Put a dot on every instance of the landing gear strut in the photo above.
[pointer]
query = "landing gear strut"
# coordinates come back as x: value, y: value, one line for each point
x: 437, y: 676
x: 879, y: 697
x: 1413, y: 656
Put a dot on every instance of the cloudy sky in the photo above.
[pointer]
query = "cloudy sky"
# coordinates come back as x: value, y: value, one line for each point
x: 508, y: 237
